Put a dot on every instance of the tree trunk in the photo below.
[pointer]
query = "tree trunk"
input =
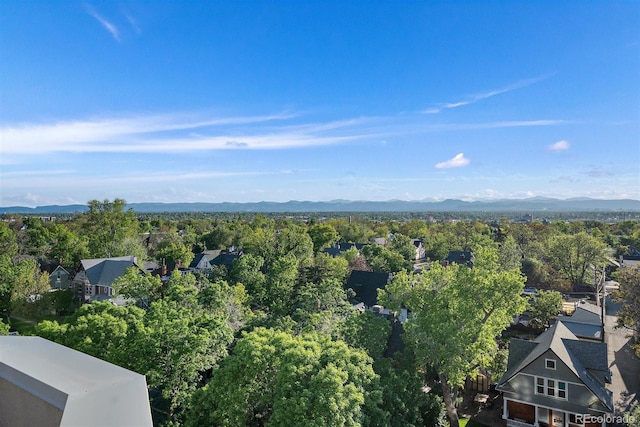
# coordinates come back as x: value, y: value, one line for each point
x: 449, y: 401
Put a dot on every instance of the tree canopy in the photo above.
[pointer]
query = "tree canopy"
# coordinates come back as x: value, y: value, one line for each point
x: 276, y: 379
x: 457, y: 312
x: 574, y: 256
x: 629, y: 295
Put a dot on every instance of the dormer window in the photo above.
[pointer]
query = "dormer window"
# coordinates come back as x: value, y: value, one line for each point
x: 550, y: 364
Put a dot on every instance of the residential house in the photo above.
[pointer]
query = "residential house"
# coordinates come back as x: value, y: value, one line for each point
x: 46, y: 384
x: 585, y: 322
x: 226, y: 259
x: 95, y: 278
x: 59, y: 277
x: 460, y: 257
x: 381, y: 241
x: 629, y: 261
x: 207, y: 259
x: 200, y: 263
x: 556, y: 380
x: 420, y: 252
x: 165, y: 271
x: 365, y: 285
x: 340, y: 248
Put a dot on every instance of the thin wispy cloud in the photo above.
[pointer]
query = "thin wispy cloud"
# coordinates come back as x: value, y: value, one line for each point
x: 163, y: 177
x: 135, y: 134
x: 484, y: 95
x: 562, y: 145
x: 38, y: 172
x: 107, y: 25
x: 458, y: 161
x: 132, y: 22
x: 183, y: 132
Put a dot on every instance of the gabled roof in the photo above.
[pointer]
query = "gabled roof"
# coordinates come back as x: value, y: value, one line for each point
x: 586, y: 313
x: 460, y: 257
x: 224, y: 259
x: 50, y: 265
x: 58, y: 269
x: 339, y: 248
x: 585, y: 322
x: 578, y: 356
x: 366, y: 284
x: 79, y: 389
x: 197, y: 260
x: 584, y: 330
x: 103, y: 271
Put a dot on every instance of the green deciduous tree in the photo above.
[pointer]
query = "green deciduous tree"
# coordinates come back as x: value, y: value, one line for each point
x: 141, y: 287
x: 277, y: 379
x: 385, y: 260
x: 404, y: 399
x: 575, y: 255
x: 293, y: 240
x: 4, y: 328
x: 457, y: 314
x: 545, y: 305
x: 367, y: 332
x: 171, y: 251
x: 179, y: 345
x: 169, y: 343
x: 27, y: 287
x: 67, y: 245
x: 112, y: 231
x: 404, y: 246
x: 280, y: 285
x: 101, y: 330
x: 629, y: 295
x: 352, y: 232
x: 8, y: 251
x: 509, y: 256
x: 322, y: 235
x: 247, y: 270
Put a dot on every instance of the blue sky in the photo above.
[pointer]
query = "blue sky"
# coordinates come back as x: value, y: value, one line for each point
x: 214, y: 101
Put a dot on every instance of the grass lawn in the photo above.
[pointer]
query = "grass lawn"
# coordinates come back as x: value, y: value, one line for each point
x: 28, y: 327
x: 470, y: 423
x: 23, y: 327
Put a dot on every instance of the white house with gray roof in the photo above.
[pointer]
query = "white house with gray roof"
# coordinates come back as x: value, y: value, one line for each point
x: 557, y: 380
x: 46, y: 384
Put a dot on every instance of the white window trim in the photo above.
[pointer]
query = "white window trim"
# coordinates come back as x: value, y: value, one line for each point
x: 556, y: 388
x: 550, y: 360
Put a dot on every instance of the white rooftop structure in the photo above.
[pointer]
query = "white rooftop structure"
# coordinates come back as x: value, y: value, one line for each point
x: 46, y: 384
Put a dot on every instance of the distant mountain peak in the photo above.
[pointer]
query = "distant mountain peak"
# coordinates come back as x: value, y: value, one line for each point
x: 531, y: 204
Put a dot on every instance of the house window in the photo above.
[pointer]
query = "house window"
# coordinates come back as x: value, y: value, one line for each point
x: 551, y: 388
x: 550, y: 363
x: 562, y: 390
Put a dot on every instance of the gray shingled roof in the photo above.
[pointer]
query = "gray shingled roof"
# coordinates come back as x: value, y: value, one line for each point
x: 107, y: 271
x: 584, y: 330
x: 366, y: 284
x: 196, y: 260
x: 586, y: 313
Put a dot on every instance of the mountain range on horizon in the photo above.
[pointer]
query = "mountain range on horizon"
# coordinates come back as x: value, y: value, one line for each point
x: 533, y: 204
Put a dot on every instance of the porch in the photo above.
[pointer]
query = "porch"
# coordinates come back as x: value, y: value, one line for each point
x: 521, y: 414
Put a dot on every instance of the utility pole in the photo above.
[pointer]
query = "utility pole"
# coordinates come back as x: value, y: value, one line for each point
x: 600, y: 287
